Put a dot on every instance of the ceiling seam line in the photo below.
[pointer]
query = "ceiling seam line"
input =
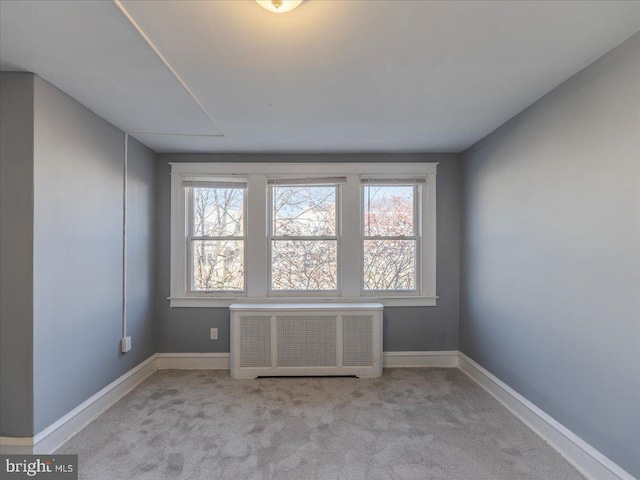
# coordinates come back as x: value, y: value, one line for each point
x: 169, y: 134
x: 166, y: 64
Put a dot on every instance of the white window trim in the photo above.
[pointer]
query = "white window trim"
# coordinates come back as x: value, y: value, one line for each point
x: 256, y: 235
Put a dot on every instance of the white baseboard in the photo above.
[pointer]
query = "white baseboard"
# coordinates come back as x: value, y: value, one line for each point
x: 220, y: 361
x: 49, y: 439
x: 420, y: 359
x: 16, y: 445
x: 192, y: 361
x: 16, y: 441
x: 589, y: 461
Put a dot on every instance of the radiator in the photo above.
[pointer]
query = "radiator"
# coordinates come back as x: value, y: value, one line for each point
x: 306, y: 339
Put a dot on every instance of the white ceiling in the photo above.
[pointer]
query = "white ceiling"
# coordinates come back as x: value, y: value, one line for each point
x: 331, y: 76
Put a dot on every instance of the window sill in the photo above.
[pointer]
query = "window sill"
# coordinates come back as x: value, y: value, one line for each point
x: 219, y: 302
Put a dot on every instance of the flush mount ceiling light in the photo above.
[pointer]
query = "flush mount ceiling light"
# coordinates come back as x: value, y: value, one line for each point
x: 279, y: 6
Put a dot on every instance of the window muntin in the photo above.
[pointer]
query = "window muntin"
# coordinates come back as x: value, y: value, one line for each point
x: 303, y: 237
x: 390, y: 236
x: 215, y: 237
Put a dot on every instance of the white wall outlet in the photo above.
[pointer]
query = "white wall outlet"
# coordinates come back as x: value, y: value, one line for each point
x: 214, y: 333
x: 125, y: 344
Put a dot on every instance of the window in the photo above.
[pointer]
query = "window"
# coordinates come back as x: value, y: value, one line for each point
x: 215, y: 240
x: 303, y: 237
x: 302, y: 232
x: 391, y: 237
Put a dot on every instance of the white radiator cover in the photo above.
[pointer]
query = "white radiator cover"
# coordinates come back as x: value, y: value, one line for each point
x: 306, y: 339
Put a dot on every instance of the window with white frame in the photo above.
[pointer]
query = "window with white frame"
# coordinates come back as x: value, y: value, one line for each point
x: 391, y: 235
x: 303, y: 236
x: 303, y: 232
x: 215, y: 228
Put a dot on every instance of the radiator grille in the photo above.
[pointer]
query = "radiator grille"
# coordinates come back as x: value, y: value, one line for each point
x: 357, y: 340
x: 255, y: 341
x: 306, y: 341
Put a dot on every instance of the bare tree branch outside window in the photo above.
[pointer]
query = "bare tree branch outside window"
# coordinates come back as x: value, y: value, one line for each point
x: 217, y: 239
x: 304, y: 245
x: 390, y: 242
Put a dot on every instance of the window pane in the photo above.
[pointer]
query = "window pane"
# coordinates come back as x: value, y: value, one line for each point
x: 217, y: 211
x: 304, y: 211
x: 218, y: 265
x: 388, y: 210
x: 389, y: 264
x: 304, y: 265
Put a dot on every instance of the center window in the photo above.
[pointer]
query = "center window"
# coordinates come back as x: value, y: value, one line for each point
x: 303, y: 237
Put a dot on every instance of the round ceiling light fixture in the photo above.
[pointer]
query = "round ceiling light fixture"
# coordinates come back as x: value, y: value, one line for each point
x: 279, y: 6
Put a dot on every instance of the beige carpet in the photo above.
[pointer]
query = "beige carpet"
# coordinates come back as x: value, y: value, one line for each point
x: 410, y: 424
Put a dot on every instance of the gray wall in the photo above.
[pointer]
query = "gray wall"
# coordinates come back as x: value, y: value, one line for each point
x: 551, y: 291
x: 16, y: 262
x: 141, y: 243
x: 78, y: 168
x: 405, y: 329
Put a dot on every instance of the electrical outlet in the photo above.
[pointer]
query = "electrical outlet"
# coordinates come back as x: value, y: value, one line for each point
x: 125, y: 344
x: 214, y: 333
